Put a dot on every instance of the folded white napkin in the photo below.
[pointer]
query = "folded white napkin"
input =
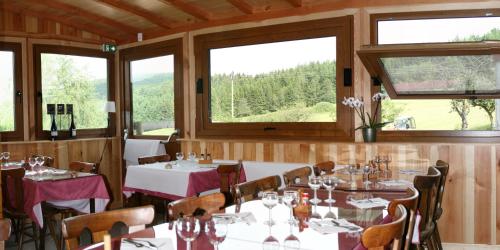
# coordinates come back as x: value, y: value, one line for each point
x: 392, y: 183
x: 147, y: 243
x: 230, y: 218
x: 368, y: 203
x: 411, y: 171
x: 329, y: 226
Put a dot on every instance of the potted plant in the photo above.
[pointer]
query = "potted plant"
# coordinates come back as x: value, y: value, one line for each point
x: 369, y: 124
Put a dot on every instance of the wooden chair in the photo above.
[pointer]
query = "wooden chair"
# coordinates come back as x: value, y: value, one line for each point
x: 410, y: 203
x: 380, y: 236
x: 250, y: 190
x: 427, y: 186
x: 211, y: 203
x: 323, y: 168
x: 303, y: 173
x: 5, y: 229
x: 153, y: 159
x: 13, y: 207
x: 48, y: 161
x: 86, y: 167
x: 100, y: 223
x: 229, y: 176
x: 443, y: 167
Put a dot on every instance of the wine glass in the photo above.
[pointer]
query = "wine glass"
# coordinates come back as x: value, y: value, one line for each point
x: 329, y: 182
x: 366, y: 173
x: 192, y: 156
x: 188, y: 228
x: 215, y: 231
x: 378, y: 160
x: 315, y: 184
x: 32, y: 163
x: 291, y: 241
x: 6, y: 156
x: 290, y: 199
x: 351, y: 170
x: 270, y: 200
x: 270, y: 243
x: 40, y: 162
x: 179, y: 156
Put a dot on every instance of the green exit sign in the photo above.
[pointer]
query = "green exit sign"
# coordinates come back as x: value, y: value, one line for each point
x: 108, y: 47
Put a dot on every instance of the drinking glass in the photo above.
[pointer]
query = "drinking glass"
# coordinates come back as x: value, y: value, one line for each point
x: 179, y: 156
x: 40, y: 161
x: 329, y: 182
x: 6, y: 156
x: 270, y: 243
x: 291, y: 241
x: 290, y: 198
x: 366, y: 173
x: 378, y: 160
x: 32, y: 163
x: 270, y: 200
x: 315, y: 184
x: 215, y: 231
x: 352, y: 170
x: 188, y: 228
x: 192, y: 156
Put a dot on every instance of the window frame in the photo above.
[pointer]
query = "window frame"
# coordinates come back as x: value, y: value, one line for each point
x: 341, y: 130
x: 471, y: 136
x: 171, y: 47
x: 39, y: 49
x: 18, y: 133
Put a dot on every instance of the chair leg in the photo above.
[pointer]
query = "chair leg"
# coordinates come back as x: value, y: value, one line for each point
x: 21, y: 234
x: 52, y: 230
x: 35, y: 234
x: 438, y: 239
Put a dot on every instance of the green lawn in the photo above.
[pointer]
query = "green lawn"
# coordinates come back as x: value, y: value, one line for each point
x: 163, y: 131
x: 436, y: 115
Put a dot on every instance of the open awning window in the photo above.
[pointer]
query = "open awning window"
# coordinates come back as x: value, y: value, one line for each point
x: 435, y: 70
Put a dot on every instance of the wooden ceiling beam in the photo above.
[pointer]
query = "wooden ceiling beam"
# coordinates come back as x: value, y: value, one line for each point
x: 296, y: 3
x: 243, y: 6
x: 138, y: 11
x: 63, y: 20
x: 190, y: 9
x: 92, y: 17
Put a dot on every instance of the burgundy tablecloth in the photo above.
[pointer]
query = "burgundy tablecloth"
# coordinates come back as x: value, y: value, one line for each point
x: 35, y: 192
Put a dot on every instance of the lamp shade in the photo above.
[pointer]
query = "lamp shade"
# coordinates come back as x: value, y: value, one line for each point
x: 109, y: 107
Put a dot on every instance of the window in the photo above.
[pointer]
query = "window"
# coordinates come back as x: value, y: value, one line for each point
x: 11, y: 103
x: 153, y: 97
x: 82, y: 77
x: 442, y: 71
x: 252, y: 84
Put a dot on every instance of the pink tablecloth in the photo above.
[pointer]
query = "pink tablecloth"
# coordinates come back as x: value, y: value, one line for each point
x: 198, y: 182
x: 82, y: 188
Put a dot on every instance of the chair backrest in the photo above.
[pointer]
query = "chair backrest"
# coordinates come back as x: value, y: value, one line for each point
x: 443, y: 167
x: 250, y: 190
x: 153, y: 159
x: 12, y: 190
x: 427, y: 186
x: 410, y: 203
x: 211, y: 203
x: 100, y: 223
x: 86, y: 167
x: 303, y: 173
x: 323, y: 168
x: 5, y: 229
x: 229, y: 176
x: 48, y: 161
x: 380, y: 236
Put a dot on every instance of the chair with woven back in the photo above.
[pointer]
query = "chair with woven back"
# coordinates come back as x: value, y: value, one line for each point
x: 229, y: 176
x: 210, y: 203
x: 153, y: 159
x: 410, y: 203
x: 250, y: 190
x: 379, y: 237
x: 443, y: 167
x: 13, y: 204
x: 85, y: 167
x: 323, y: 168
x: 298, y: 175
x: 99, y: 224
x: 427, y: 186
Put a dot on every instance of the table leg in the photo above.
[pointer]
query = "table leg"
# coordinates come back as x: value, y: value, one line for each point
x: 92, y: 205
x: 41, y: 234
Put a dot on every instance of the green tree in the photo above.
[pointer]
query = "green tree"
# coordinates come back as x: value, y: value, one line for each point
x: 462, y: 108
x: 488, y: 105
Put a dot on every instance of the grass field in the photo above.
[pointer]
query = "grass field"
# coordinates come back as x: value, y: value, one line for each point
x: 163, y: 131
x: 436, y: 115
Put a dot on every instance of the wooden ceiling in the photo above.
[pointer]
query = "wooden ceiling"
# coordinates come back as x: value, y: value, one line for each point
x: 121, y: 20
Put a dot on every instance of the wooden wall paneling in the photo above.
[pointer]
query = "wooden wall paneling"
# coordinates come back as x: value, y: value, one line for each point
x: 482, y: 198
x: 249, y: 151
x: 497, y: 217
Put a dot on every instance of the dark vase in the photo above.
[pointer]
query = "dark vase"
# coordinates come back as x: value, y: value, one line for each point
x: 369, y: 134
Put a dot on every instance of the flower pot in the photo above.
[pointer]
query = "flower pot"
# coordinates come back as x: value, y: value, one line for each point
x: 369, y: 134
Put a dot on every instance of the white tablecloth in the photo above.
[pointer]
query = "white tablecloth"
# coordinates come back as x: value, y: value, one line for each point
x: 135, y: 148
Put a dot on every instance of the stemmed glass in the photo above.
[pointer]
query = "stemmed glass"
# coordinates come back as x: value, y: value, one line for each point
x: 270, y: 199
x: 366, y: 173
x: 216, y: 232
x: 290, y: 199
x: 40, y: 161
x: 315, y: 184
x: 192, y: 156
x: 351, y: 169
x: 329, y: 183
x: 188, y: 228
x: 378, y: 160
x: 291, y: 241
x: 270, y: 243
x: 179, y: 156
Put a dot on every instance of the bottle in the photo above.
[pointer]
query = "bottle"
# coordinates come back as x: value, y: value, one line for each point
x: 72, y: 128
x: 53, y: 128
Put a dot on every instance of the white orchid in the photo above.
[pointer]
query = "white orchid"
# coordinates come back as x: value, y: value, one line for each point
x: 359, y: 106
x: 379, y: 96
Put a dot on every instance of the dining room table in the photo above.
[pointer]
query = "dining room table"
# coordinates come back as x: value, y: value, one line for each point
x: 337, y: 225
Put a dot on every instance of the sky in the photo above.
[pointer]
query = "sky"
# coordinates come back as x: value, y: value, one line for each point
x: 161, y: 64
x: 6, y: 76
